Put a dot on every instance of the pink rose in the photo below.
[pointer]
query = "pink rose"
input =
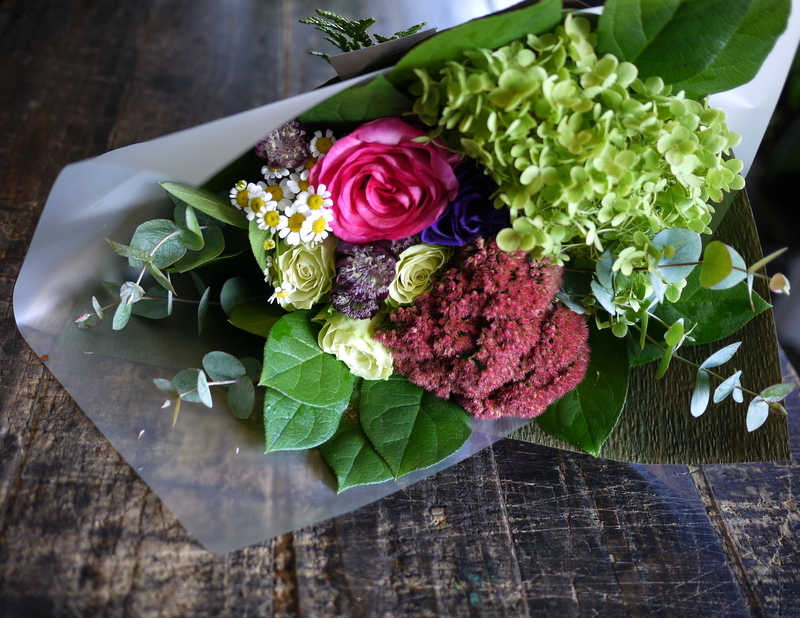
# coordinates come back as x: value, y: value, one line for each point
x: 383, y: 184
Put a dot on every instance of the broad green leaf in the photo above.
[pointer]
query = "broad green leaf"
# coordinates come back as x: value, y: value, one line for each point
x: 161, y: 239
x: 234, y: 292
x: 741, y: 57
x: 353, y: 459
x: 241, y: 397
x: 671, y: 39
x: 701, y: 393
x: 223, y: 366
x: 209, y: 203
x: 757, y: 413
x: 213, y: 246
x: 586, y: 416
x: 121, y: 316
x: 307, y: 389
x: 409, y: 427
x: 256, y: 317
x: 361, y: 103
x: 257, y: 237
x: 488, y: 32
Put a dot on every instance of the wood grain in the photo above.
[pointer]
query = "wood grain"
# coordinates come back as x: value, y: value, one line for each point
x: 516, y: 530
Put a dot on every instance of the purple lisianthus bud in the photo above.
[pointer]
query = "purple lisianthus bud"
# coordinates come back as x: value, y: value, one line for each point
x: 471, y: 214
x: 363, y: 275
x: 285, y: 147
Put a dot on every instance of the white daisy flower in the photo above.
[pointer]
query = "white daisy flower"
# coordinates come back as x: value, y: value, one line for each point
x: 239, y: 195
x: 259, y: 201
x: 269, y: 271
x: 269, y: 218
x: 298, y: 181
x: 321, y: 144
x: 282, y: 292
x: 317, y: 226
x: 280, y: 192
x: 315, y: 199
x: 291, y: 223
x: 274, y: 173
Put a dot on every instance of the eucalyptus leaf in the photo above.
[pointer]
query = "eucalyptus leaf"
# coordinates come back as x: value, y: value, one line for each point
x: 675, y: 40
x: 186, y: 220
x: 234, y: 292
x: 98, y: 309
x: 731, y: 385
x: 121, y: 316
x: 307, y: 389
x: 130, y: 293
x: 213, y: 246
x: 353, y: 458
x: 252, y: 367
x: 757, y: 413
x: 132, y: 253
x: 409, y: 427
x: 776, y: 392
x: 160, y: 238
x: 222, y: 366
x: 209, y: 203
x: 241, y: 397
x: 156, y: 304
x: 737, y: 274
x: 187, y: 381
x: 586, y: 416
x: 701, y: 393
x: 160, y: 277
x: 202, y: 310
x: 720, y: 357
x: 167, y: 387
x: 688, y: 247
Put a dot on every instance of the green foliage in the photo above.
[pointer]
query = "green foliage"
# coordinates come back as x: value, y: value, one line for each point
x: 209, y: 203
x: 349, y: 35
x: 586, y: 416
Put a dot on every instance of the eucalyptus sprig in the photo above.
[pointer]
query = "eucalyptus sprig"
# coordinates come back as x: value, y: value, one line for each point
x: 349, y: 35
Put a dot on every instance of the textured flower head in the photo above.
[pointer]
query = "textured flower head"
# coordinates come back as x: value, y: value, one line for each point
x: 286, y: 147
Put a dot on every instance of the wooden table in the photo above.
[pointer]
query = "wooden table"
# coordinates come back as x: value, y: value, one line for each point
x: 516, y: 530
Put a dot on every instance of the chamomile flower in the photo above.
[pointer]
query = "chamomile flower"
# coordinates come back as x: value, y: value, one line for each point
x: 291, y: 223
x: 282, y: 292
x: 268, y: 244
x: 315, y: 199
x: 298, y: 180
x: 321, y: 144
x: 311, y: 162
x: 239, y: 195
x: 268, y: 219
x: 280, y: 192
x: 316, y: 226
x: 269, y: 270
x: 274, y: 173
x: 260, y: 201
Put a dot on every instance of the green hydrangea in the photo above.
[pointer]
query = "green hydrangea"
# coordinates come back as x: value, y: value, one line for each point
x: 590, y: 159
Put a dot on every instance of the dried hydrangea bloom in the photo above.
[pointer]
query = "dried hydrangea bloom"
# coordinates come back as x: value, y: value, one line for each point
x: 491, y: 335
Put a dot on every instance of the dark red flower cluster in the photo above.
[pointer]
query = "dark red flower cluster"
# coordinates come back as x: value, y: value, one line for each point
x: 491, y: 335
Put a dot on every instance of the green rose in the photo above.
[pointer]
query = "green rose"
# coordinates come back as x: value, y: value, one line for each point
x: 351, y: 342
x: 414, y: 270
x: 309, y: 271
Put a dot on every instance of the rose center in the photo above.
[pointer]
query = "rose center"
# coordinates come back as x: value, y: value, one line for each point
x: 315, y: 202
x: 296, y: 222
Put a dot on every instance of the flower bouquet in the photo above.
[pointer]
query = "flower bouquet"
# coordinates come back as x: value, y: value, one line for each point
x: 520, y: 227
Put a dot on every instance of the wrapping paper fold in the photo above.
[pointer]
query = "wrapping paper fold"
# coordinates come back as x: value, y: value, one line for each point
x: 210, y: 468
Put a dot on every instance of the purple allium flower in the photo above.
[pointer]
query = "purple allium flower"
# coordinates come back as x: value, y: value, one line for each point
x: 471, y: 214
x: 363, y: 275
x: 285, y: 147
x: 491, y: 335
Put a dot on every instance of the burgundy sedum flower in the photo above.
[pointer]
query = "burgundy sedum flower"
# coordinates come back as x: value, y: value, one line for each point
x: 491, y: 335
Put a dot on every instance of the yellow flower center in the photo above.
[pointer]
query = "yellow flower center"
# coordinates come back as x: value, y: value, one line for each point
x: 271, y: 218
x: 315, y: 201
x: 242, y: 198
x: 324, y: 144
x: 276, y: 191
x: 296, y: 222
x: 303, y: 184
x: 282, y: 294
x: 257, y: 205
x: 319, y: 225
x: 311, y: 162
